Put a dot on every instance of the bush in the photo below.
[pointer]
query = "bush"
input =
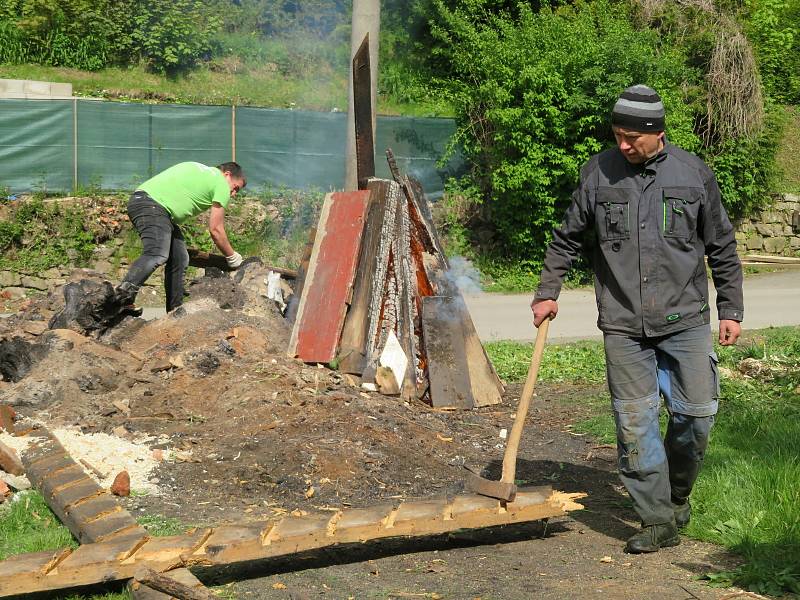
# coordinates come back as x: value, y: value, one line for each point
x: 774, y: 28
x: 532, y: 97
x: 168, y: 35
x: 746, y: 169
x: 172, y: 35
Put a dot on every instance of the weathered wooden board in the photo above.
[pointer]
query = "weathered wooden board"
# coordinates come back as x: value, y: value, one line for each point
x: 120, y: 559
x: 381, y: 283
x: 182, y: 576
x: 328, y: 285
x: 353, y: 344
x: 487, y: 389
x: 445, y: 345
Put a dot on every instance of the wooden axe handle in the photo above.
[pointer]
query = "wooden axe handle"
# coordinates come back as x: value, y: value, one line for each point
x: 512, y: 446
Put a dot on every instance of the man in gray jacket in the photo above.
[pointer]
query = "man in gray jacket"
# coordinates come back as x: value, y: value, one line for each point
x: 656, y: 213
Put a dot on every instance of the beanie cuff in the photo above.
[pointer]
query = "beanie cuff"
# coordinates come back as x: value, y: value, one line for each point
x: 637, y: 123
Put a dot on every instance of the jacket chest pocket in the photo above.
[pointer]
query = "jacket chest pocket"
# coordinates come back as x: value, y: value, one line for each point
x: 681, y: 207
x: 612, y: 214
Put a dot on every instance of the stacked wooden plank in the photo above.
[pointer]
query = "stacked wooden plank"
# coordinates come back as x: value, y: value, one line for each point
x: 379, y: 302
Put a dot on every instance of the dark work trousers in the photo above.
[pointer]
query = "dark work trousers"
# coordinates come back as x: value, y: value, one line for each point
x: 681, y: 367
x: 162, y: 244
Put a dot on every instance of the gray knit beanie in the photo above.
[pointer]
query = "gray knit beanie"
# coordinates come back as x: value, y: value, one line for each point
x: 639, y: 108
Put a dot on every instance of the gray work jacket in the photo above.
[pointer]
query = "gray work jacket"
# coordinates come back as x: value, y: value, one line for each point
x: 653, y: 224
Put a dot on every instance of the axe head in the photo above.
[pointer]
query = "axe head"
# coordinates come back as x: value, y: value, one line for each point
x: 493, y: 489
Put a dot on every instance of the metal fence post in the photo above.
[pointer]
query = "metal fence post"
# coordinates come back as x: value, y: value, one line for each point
x: 74, y: 145
x: 233, y: 132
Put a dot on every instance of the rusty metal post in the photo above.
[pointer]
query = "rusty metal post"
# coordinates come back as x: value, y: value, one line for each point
x: 366, y: 20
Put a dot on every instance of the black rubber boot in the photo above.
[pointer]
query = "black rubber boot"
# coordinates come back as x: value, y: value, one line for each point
x: 653, y: 537
x: 125, y: 294
x: 683, y: 512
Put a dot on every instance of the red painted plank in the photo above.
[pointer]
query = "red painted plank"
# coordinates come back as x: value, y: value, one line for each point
x: 329, y: 281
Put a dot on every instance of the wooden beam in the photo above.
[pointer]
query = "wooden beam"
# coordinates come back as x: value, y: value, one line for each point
x: 363, y: 112
x: 203, y: 260
x: 180, y: 584
x: 90, y: 512
x: 353, y: 344
x: 119, y: 559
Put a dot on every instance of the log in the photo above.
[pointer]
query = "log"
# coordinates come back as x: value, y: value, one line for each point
x: 767, y: 258
x: 203, y: 260
x: 172, y: 587
x: 121, y: 559
x: 89, y: 512
x: 353, y: 343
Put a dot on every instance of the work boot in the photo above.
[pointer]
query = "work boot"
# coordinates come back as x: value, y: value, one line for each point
x: 653, y: 537
x: 683, y: 512
x: 124, y: 295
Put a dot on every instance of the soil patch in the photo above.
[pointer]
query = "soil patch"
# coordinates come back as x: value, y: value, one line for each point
x: 245, y: 433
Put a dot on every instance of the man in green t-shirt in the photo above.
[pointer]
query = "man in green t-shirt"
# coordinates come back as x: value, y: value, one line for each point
x: 160, y: 205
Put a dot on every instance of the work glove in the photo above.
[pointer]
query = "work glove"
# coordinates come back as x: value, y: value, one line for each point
x: 234, y: 260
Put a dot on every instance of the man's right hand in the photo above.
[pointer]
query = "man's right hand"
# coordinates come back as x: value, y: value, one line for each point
x: 234, y: 260
x: 543, y: 309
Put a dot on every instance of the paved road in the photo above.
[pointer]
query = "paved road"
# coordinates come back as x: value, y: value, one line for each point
x: 769, y: 299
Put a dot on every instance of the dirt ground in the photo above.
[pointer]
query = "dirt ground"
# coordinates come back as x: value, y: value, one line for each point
x: 247, y: 433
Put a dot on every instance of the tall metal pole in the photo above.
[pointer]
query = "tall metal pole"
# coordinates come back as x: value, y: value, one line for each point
x: 366, y: 20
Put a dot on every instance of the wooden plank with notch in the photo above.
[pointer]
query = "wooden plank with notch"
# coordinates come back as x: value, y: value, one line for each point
x: 88, y: 511
x: 120, y: 559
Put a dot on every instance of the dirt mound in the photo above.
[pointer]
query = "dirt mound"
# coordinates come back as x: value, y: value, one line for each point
x: 240, y: 422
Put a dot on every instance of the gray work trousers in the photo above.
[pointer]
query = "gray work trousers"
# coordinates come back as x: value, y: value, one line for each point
x: 681, y: 367
x: 162, y: 244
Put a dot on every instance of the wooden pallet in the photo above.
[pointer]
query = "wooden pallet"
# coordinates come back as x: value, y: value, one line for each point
x: 120, y: 558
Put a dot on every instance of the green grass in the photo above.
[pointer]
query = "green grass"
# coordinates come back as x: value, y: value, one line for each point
x: 747, y: 498
x: 581, y: 362
x: 28, y: 525
x: 788, y: 156
x: 161, y: 526
x: 321, y: 88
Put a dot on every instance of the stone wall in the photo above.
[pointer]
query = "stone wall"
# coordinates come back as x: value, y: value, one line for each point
x: 107, y: 260
x: 772, y: 230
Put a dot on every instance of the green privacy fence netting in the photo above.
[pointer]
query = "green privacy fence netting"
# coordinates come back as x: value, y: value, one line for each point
x: 60, y: 145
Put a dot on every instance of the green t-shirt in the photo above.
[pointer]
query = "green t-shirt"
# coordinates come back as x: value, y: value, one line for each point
x: 187, y: 189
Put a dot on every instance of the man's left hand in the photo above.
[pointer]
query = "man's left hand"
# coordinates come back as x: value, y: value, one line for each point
x: 729, y: 332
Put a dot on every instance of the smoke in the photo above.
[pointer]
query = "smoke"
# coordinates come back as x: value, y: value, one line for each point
x: 464, y: 275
